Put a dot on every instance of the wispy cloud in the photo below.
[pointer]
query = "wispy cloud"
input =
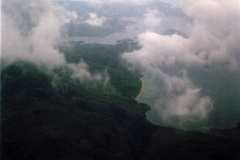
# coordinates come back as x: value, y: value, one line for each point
x: 32, y: 31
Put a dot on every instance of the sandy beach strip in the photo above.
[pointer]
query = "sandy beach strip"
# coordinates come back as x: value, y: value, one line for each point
x: 141, y: 89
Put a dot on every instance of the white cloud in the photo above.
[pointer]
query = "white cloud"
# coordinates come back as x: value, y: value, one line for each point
x: 32, y: 31
x: 81, y: 72
x: 182, y: 99
x: 94, y: 20
x: 168, y: 60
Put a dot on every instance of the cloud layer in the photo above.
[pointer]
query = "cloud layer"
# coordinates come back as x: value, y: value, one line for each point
x: 171, y: 64
x: 32, y: 31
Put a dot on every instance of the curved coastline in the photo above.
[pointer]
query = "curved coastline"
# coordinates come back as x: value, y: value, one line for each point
x: 141, y: 89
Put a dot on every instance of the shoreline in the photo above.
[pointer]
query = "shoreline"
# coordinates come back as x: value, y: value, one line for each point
x: 141, y: 89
